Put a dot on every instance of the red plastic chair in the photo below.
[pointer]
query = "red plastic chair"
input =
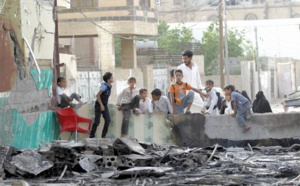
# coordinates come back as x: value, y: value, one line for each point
x: 69, y: 120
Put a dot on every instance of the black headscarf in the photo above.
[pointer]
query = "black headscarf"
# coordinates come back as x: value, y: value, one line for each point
x: 261, y: 104
x: 244, y: 93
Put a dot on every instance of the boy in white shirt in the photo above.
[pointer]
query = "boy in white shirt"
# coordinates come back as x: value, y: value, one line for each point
x: 63, y: 100
x: 145, y: 106
x: 161, y: 103
x: 210, y: 106
x: 127, y: 100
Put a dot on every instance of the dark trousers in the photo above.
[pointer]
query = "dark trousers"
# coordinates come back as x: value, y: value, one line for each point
x: 65, y: 100
x: 126, y: 110
x: 96, y: 123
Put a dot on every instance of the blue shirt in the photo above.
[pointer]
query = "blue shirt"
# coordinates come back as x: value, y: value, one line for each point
x: 106, y: 91
x: 239, y: 98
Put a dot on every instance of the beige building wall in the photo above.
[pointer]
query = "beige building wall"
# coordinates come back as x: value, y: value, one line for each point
x: 107, y: 19
x: 279, y: 10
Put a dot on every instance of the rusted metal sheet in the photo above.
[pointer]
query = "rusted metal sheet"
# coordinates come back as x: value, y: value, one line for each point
x: 8, y: 69
x: 10, y: 45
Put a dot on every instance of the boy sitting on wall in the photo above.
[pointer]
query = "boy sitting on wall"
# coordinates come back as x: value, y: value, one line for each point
x: 241, y: 106
x: 179, y: 99
x: 145, y: 106
x: 128, y: 100
x: 211, y: 106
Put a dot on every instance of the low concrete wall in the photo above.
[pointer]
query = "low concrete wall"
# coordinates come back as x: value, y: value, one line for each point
x: 263, y: 126
x: 148, y: 128
x: 197, y: 130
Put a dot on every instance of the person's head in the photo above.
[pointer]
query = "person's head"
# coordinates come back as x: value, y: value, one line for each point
x: 228, y: 89
x: 209, y: 84
x: 156, y: 93
x: 187, y: 57
x: 178, y: 75
x: 244, y: 93
x: 143, y: 93
x: 285, y: 96
x: 62, y: 82
x: 227, y: 98
x: 131, y: 82
x: 260, y: 94
x: 172, y: 75
x: 108, y: 77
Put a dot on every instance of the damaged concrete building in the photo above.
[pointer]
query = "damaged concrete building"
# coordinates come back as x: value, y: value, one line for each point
x: 27, y: 42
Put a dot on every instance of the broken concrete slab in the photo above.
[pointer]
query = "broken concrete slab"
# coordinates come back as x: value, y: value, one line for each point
x: 137, y: 160
x: 142, y: 171
x: 97, y: 142
x: 172, y: 165
x: 111, y: 161
x: 5, y: 154
x: 126, y: 146
x: 88, y: 162
x: 101, y: 146
x: 30, y: 162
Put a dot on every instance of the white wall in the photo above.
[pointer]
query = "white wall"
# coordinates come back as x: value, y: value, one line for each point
x: 38, y: 26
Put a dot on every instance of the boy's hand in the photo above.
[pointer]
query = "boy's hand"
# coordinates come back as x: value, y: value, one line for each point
x: 204, y: 113
x: 102, y: 108
x: 233, y: 115
x: 152, y: 101
x: 119, y: 108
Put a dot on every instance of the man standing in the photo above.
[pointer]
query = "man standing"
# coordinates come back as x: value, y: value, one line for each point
x: 191, y: 74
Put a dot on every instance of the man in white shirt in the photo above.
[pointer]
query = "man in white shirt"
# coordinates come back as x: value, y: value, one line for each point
x: 191, y: 74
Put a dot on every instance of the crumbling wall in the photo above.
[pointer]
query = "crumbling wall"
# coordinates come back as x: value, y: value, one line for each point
x: 25, y: 87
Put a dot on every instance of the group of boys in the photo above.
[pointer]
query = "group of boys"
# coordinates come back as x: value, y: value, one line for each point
x: 181, y: 96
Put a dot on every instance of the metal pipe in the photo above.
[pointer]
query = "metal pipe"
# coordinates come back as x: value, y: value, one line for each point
x: 33, y: 56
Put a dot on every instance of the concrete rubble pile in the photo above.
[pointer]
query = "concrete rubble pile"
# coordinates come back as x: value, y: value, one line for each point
x: 129, y: 162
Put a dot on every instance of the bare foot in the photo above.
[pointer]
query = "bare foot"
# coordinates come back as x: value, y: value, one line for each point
x: 246, y: 128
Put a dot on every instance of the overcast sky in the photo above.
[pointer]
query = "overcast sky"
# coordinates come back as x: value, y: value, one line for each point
x: 276, y: 38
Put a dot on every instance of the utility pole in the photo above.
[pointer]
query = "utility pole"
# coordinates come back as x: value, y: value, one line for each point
x: 221, y: 47
x: 226, y: 44
x: 257, y: 60
x: 56, y: 64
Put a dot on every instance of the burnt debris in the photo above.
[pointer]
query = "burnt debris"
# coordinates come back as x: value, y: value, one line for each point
x: 129, y: 162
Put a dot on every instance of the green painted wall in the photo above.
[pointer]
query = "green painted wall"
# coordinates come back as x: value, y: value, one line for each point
x: 15, y: 131
x: 46, y: 79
